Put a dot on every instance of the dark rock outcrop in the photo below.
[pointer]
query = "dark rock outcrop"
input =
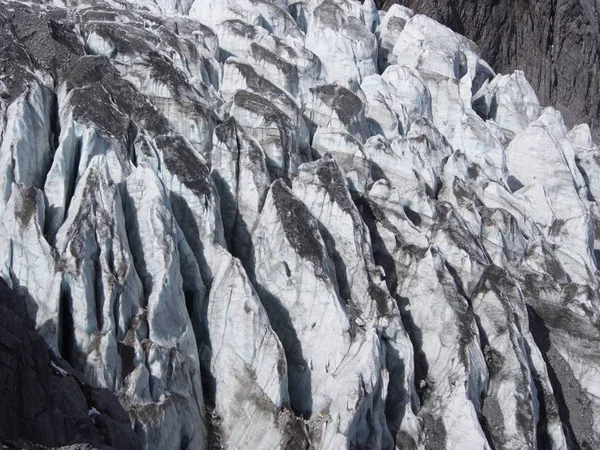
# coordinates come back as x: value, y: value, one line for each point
x: 554, y: 42
x: 44, y: 401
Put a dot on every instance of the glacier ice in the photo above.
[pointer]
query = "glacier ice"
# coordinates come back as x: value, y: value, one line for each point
x: 285, y: 224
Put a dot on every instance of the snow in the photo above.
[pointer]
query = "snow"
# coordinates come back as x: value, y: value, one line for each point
x: 61, y: 372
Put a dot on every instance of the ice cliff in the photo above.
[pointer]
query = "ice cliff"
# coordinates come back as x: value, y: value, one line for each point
x: 277, y: 224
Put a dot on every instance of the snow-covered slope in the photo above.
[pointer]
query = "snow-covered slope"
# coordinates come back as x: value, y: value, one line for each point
x: 282, y: 224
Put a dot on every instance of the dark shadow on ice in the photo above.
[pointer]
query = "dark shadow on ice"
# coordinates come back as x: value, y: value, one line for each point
x: 299, y: 373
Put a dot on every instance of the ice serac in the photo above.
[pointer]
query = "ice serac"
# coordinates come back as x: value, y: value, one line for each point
x: 508, y: 100
x: 517, y: 371
x: 586, y: 157
x: 241, y: 176
x: 452, y: 70
x: 241, y: 76
x: 391, y: 25
x: 395, y: 100
x: 28, y: 261
x: 296, y: 282
x: 551, y: 177
x: 101, y: 288
x: 248, y: 364
x: 194, y: 199
x: 180, y: 86
x: 292, y: 224
x: 451, y: 380
x: 288, y: 63
x: 91, y: 126
x: 322, y: 188
x: 26, y: 140
x: 275, y: 130
x: 336, y: 107
x: 123, y: 335
x: 337, y: 34
x: 161, y: 354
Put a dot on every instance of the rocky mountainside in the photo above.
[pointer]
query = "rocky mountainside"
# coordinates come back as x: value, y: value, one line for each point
x: 275, y: 224
x: 555, y: 42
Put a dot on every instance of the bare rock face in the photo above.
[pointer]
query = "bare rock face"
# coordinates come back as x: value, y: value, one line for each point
x: 297, y: 225
x: 554, y: 42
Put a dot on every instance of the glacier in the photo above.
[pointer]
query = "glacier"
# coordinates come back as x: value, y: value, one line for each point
x: 309, y: 224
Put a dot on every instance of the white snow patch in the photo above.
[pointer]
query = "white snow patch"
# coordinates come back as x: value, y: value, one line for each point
x: 62, y: 372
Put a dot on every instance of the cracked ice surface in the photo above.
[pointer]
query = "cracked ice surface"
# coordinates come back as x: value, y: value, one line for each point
x: 299, y: 224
